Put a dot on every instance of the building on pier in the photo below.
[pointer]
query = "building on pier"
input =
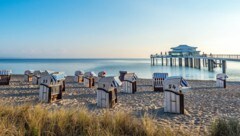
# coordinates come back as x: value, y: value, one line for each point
x: 184, y: 50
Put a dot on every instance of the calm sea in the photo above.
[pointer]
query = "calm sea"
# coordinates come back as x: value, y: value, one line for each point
x: 141, y: 67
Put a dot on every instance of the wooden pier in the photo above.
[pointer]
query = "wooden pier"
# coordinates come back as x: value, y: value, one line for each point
x: 210, y: 61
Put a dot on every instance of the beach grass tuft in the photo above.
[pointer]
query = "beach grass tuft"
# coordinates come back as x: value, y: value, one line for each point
x: 225, y: 127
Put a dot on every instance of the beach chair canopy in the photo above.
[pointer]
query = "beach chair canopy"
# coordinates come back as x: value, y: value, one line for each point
x: 175, y: 83
x: 5, y: 72
x: 57, y: 76
x: 131, y: 77
x: 112, y: 80
x: 29, y: 72
x: 222, y: 76
x: 160, y: 75
x: 179, y: 80
x: 49, y: 71
x: 123, y: 72
x: 79, y: 72
x: 102, y: 73
x: 90, y: 74
x: 37, y: 73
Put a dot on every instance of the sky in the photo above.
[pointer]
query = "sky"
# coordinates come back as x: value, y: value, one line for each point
x: 116, y: 28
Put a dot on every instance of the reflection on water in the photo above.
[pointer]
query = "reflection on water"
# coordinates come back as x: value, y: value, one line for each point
x: 112, y: 66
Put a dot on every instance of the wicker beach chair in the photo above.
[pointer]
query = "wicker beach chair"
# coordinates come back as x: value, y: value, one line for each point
x: 28, y: 75
x: 78, y: 76
x: 173, y: 94
x: 52, y: 87
x: 129, y: 83
x: 89, y: 79
x: 157, y: 82
x: 5, y: 76
x: 107, y: 92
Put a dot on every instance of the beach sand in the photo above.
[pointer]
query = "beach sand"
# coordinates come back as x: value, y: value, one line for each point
x: 203, y: 103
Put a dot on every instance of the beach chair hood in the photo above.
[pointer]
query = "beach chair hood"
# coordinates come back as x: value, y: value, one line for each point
x: 131, y: 77
x: 109, y: 82
x: 175, y: 83
x: 29, y: 72
x: 5, y: 72
x: 90, y: 74
x: 102, y: 73
x: 58, y: 76
x: 38, y: 73
x: 160, y: 75
x: 222, y: 76
x: 79, y: 72
x: 113, y: 81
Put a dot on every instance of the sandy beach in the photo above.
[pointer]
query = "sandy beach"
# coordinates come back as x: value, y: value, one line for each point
x: 203, y: 103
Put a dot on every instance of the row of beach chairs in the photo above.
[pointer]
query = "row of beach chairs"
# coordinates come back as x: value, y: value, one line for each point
x: 52, y: 85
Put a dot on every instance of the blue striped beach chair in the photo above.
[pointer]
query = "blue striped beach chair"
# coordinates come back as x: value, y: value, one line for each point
x: 158, y: 79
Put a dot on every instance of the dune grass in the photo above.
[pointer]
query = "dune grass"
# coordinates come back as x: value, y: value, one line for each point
x: 225, y: 127
x: 36, y: 121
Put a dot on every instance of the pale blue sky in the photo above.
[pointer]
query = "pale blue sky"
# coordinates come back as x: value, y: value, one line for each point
x: 116, y: 28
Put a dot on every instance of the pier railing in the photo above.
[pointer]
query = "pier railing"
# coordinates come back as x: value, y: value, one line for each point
x: 224, y: 56
x: 214, y: 56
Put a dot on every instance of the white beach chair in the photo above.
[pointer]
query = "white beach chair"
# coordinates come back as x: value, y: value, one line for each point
x: 173, y: 94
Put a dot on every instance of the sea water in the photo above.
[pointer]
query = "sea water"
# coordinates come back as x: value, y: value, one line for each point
x: 141, y: 67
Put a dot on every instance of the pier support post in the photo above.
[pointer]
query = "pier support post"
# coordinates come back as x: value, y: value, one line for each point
x: 162, y: 61
x: 199, y: 64
x: 210, y: 65
x: 180, y: 62
x: 224, y: 66
x: 153, y: 62
x: 191, y: 62
x: 194, y: 64
x: 186, y: 62
x: 166, y: 61
x: 171, y: 62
